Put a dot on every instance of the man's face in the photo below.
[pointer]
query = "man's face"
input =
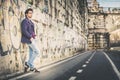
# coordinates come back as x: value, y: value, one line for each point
x: 29, y: 14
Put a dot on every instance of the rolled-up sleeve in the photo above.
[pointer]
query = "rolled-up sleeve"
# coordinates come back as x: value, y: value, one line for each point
x: 24, y: 27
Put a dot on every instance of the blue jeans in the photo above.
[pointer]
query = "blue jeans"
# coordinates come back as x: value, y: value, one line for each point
x: 33, y: 52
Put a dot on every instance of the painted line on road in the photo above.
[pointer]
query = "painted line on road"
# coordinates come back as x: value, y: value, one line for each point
x: 50, y: 66
x: 84, y: 65
x: 79, y: 71
x: 91, y: 57
x: 72, y: 78
x: 113, y: 65
x: 87, y: 62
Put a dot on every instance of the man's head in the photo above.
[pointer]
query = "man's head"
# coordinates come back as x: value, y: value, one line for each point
x: 28, y: 13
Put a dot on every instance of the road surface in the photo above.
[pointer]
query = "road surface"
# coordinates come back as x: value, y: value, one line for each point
x: 91, y: 65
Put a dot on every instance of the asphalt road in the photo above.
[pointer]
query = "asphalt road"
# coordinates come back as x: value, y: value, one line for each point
x: 95, y: 65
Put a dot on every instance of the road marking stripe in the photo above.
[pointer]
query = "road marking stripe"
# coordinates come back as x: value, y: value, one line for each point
x: 84, y: 65
x: 113, y: 65
x: 79, y: 71
x: 91, y: 56
x: 72, y: 78
x: 87, y: 62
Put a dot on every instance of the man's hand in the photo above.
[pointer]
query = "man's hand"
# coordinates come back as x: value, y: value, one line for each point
x: 31, y: 39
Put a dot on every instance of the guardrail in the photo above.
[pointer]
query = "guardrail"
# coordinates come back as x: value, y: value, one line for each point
x: 111, y: 9
x: 115, y: 43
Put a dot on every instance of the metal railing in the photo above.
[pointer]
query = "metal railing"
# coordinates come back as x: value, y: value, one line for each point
x: 111, y: 9
x: 115, y: 43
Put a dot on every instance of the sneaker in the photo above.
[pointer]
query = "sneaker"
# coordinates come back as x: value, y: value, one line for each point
x: 35, y: 70
x: 26, y: 67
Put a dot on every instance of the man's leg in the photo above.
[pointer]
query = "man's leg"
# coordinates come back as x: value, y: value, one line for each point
x: 34, y: 51
x: 31, y: 58
x: 28, y: 64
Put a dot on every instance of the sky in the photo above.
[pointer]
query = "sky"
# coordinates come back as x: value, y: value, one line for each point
x: 109, y: 3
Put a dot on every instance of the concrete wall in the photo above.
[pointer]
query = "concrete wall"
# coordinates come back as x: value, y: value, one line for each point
x: 58, y: 27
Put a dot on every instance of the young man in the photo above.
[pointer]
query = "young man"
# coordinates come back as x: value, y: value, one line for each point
x: 28, y: 37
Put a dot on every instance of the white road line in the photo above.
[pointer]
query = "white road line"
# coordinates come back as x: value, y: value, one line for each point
x: 21, y: 76
x: 113, y: 65
x: 84, y: 65
x: 47, y: 67
x: 79, y: 71
x: 87, y: 62
x: 91, y: 56
x: 72, y: 78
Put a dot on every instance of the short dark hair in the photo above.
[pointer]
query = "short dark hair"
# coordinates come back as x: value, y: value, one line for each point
x: 29, y: 9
